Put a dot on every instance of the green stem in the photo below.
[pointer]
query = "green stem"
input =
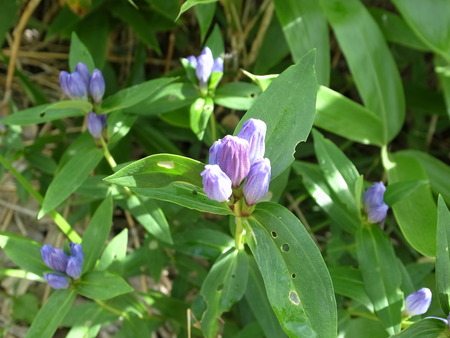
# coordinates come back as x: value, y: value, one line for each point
x: 60, y: 221
x: 238, y: 234
x: 107, y: 154
x: 212, y: 124
x: 111, y: 309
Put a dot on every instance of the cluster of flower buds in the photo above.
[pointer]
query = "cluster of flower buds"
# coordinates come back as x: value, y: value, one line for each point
x: 205, y: 66
x: 79, y: 84
x: 417, y: 303
x: 66, y: 266
x: 374, y: 204
x: 237, y: 166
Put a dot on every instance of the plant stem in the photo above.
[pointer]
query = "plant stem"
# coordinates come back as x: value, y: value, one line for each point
x: 108, y: 155
x: 212, y: 124
x: 60, y: 221
x: 239, y: 232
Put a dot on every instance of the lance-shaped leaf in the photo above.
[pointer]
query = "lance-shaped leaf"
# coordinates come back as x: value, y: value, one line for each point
x: 381, y: 275
x: 443, y: 256
x: 297, y: 281
x: 225, y: 285
x: 287, y: 107
x: 102, y: 285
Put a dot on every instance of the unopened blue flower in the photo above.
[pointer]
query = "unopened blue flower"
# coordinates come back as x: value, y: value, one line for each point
x: 95, y: 124
x: 56, y: 281
x: 417, y: 303
x: 73, y: 85
x: 374, y: 204
x: 192, y: 60
x: 231, y: 154
x: 254, y: 131
x: 83, y: 70
x: 97, y: 86
x: 217, y: 65
x: 205, y: 65
x: 258, y: 180
x: 216, y: 184
x: 66, y: 265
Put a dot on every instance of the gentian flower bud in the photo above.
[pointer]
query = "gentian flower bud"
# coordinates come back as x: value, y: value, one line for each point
x: 54, y: 258
x: 73, y: 85
x: 83, y: 70
x: 231, y: 154
x: 258, y: 180
x: 205, y: 63
x: 192, y: 60
x: 97, y: 86
x: 75, y: 263
x: 95, y: 124
x: 374, y: 205
x: 218, y: 65
x: 254, y: 131
x: 216, y: 184
x: 56, y: 281
x: 417, y: 303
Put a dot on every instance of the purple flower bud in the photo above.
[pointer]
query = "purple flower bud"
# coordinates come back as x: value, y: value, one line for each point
x: 192, y: 60
x: 73, y: 85
x: 97, y: 86
x: 258, y: 180
x: 441, y: 319
x: 374, y: 205
x: 205, y: 63
x: 95, y: 124
x: 83, y: 70
x: 54, y: 258
x: 218, y: 65
x: 417, y: 303
x: 75, y: 263
x: 254, y: 131
x: 56, y: 281
x: 231, y: 154
x: 216, y: 184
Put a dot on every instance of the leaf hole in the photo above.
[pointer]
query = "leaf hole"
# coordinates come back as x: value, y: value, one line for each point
x: 233, y: 276
x: 285, y: 247
x: 293, y: 275
x: 166, y: 164
x: 293, y: 297
x: 220, y: 287
x: 42, y: 114
x: 274, y: 234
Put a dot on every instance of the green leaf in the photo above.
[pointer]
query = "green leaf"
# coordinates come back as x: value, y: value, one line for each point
x: 396, y: 30
x: 71, y: 176
x: 315, y: 183
x: 348, y: 282
x: 443, y: 256
x: 79, y: 53
x: 236, y: 95
x: 398, y: 191
x: 430, y: 22
x: 370, y: 61
x: 51, y: 314
x: 436, y: 171
x: 297, y: 281
x: 442, y: 70
x: 344, y: 117
x: 381, y: 275
x: 158, y: 171
x: 205, y: 15
x: 96, y: 234
x: 150, y: 216
x: 186, y: 196
x: 8, y: 10
x: 48, y: 112
x: 204, y: 243
x: 305, y: 28
x: 102, y: 285
x: 24, y: 252
x: 224, y: 285
x: 287, y: 106
x: 199, y: 115
x: 426, y: 328
x: 215, y: 42
x: 416, y: 213
x: 114, y: 254
x: 132, y: 95
x: 338, y: 170
x: 256, y: 297
x: 190, y: 3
